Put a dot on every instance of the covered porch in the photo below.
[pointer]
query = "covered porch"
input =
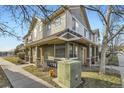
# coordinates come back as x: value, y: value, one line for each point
x: 50, y: 54
x: 49, y: 51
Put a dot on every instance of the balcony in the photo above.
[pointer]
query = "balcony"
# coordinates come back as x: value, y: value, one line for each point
x: 82, y: 30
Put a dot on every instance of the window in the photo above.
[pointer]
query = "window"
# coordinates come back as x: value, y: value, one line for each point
x: 73, y: 51
x: 35, y: 33
x: 48, y: 27
x: 60, y: 51
x: 75, y: 24
x: 57, y: 21
x: 30, y: 38
x: 90, y: 35
x: 94, y: 37
x: 85, y: 32
x: 37, y: 27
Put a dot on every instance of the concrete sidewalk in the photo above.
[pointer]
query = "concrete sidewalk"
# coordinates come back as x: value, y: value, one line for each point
x: 20, y: 78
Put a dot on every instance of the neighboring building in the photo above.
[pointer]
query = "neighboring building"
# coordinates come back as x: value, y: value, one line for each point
x: 65, y: 35
x: 7, y: 53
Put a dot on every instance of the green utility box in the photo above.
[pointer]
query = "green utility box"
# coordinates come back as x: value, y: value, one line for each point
x: 69, y: 73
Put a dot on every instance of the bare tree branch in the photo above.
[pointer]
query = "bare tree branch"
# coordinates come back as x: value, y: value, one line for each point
x: 121, y: 29
x: 96, y: 10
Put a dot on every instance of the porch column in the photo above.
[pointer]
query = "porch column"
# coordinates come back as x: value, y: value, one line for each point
x: 54, y: 50
x: 26, y: 55
x: 41, y: 55
x: 67, y: 50
x: 98, y: 53
x: 90, y: 54
x: 95, y: 54
x: 38, y: 56
x: 30, y: 55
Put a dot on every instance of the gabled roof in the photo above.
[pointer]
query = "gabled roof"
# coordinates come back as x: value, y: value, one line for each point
x: 59, y: 11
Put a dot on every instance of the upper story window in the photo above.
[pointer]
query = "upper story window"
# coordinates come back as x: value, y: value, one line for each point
x: 38, y: 27
x: 75, y: 24
x: 35, y: 33
x: 85, y: 32
x: 27, y: 40
x: 48, y: 26
x: 90, y: 35
x: 58, y: 21
x: 94, y: 37
x: 30, y: 38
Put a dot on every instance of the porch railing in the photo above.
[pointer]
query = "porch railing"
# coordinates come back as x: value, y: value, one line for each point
x: 52, y: 63
x: 94, y: 60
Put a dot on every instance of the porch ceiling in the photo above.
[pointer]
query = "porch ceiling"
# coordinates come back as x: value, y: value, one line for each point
x: 54, y: 40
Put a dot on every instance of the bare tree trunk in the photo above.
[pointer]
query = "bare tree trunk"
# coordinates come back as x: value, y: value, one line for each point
x: 103, y: 59
x: 105, y: 41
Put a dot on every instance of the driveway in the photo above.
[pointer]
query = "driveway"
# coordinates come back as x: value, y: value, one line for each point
x: 20, y: 78
x: 121, y: 66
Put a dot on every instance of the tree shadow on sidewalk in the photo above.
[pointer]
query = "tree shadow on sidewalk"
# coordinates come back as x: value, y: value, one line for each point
x: 19, y: 80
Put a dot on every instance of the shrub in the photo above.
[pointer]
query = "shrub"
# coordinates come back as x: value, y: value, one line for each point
x: 21, y: 55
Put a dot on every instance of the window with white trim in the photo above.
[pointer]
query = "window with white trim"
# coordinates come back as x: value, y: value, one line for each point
x: 35, y: 33
x: 90, y: 35
x: 48, y: 26
x: 58, y: 21
x: 85, y: 32
x: 94, y: 37
x: 75, y: 24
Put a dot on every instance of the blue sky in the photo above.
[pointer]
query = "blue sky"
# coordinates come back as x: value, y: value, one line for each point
x: 7, y: 43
